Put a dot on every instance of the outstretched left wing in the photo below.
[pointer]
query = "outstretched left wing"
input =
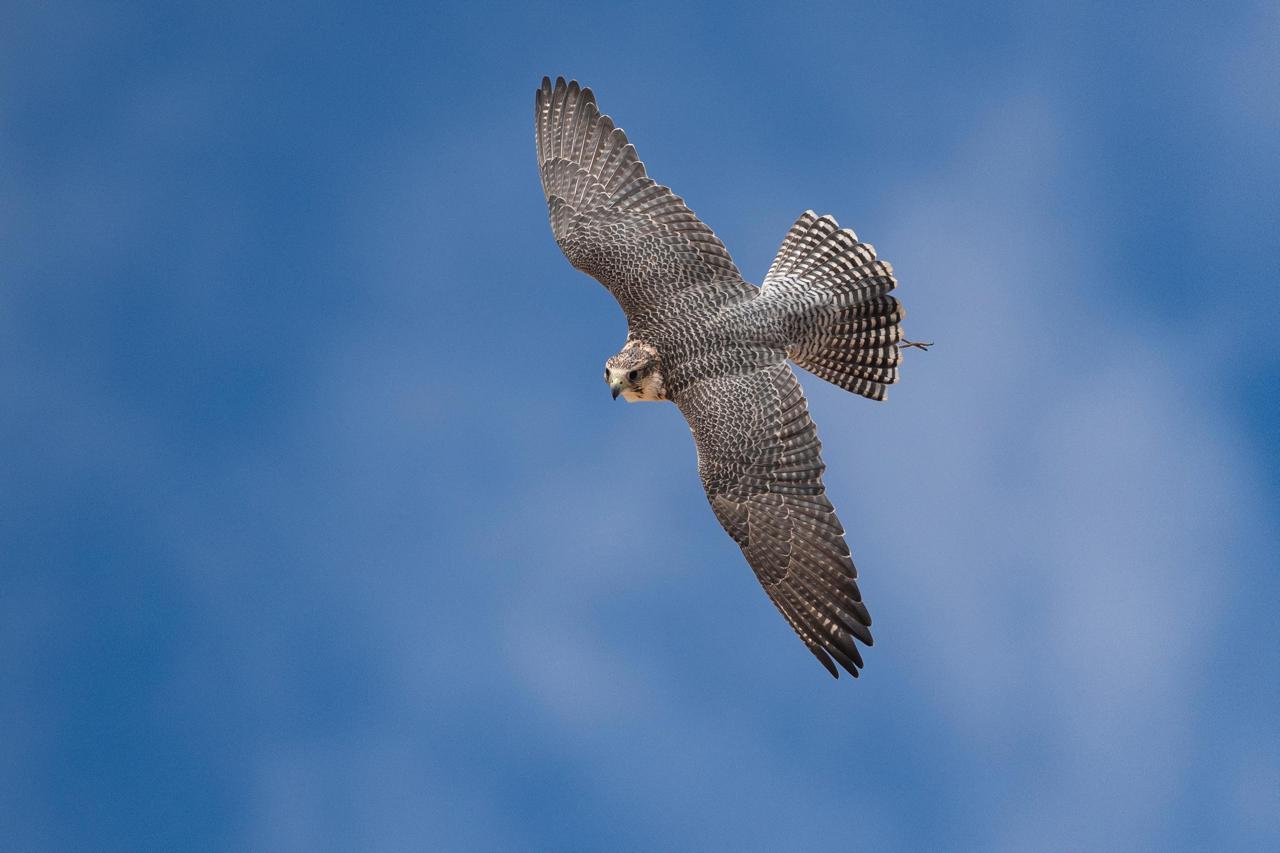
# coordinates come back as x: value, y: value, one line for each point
x: 611, y: 220
x: 761, y: 464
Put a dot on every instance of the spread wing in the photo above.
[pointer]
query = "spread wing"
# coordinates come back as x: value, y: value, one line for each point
x: 761, y: 464
x: 611, y: 220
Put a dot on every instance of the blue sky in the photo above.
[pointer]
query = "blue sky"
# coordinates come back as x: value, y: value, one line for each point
x: 311, y: 490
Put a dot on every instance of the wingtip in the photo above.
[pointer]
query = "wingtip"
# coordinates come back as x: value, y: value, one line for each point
x: 825, y: 660
x: 848, y: 658
x: 568, y: 87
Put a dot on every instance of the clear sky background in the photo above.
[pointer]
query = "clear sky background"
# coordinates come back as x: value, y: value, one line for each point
x: 319, y: 529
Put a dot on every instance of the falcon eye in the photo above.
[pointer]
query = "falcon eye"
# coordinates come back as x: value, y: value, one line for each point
x: 631, y: 377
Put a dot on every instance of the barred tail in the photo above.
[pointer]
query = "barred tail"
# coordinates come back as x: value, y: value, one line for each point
x: 846, y: 327
x: 858, y: 350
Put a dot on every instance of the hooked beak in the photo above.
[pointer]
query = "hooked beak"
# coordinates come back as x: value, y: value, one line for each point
x: 616, y: 388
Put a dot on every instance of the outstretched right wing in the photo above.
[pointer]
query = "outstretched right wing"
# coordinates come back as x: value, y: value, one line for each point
x: 610, y: 219
x: 761, y: 464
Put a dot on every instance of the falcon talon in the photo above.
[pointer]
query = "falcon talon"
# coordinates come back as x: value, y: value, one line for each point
x: 701, y: 336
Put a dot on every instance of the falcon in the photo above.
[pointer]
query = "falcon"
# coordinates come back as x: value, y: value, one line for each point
x: 717, y: 346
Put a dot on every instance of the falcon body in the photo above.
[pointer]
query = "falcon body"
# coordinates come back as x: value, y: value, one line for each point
x: 701, y: 336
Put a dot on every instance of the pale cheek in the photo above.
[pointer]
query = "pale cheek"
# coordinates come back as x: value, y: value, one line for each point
x: 648, y: 389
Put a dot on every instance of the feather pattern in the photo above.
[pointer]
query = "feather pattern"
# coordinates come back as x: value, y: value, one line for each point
x: 613, y: 222
x: 761, y: 465
x: 850, y: 337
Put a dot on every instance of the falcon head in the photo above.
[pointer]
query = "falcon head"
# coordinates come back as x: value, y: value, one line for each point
x: 635, y: 373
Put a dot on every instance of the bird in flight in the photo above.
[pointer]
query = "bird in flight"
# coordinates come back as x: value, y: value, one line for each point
x: 717, y: 346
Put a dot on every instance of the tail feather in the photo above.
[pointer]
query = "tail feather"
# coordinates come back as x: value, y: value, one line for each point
x: 849, y: 329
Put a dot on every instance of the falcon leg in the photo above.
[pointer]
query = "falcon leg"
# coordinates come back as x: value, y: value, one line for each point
x: 906, y: 344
